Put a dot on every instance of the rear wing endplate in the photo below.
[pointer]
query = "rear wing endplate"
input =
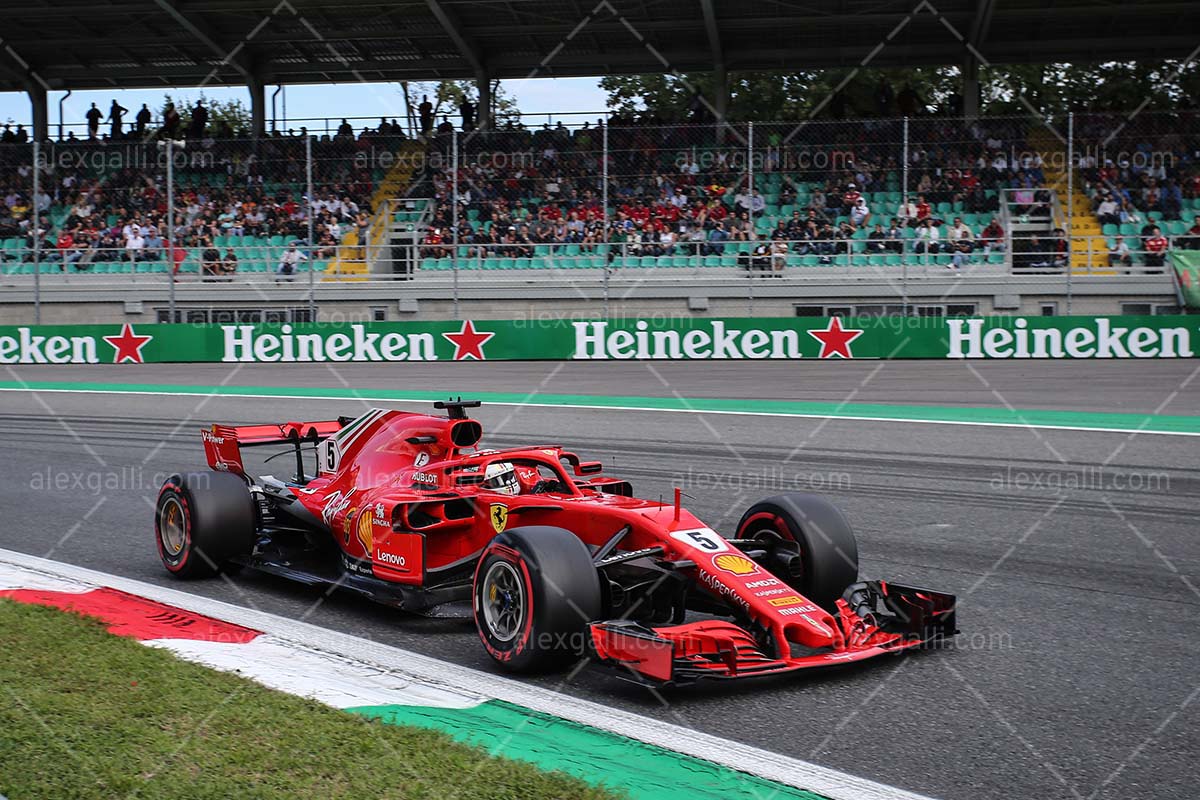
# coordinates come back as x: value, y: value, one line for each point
x: 223, y: 443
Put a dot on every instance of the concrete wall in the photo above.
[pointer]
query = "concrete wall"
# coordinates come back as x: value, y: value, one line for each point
x: 547, y: 299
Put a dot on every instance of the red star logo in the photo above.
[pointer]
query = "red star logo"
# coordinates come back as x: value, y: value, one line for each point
x: 468, y: 343
x: 128, y: 345
x: 835, y: 340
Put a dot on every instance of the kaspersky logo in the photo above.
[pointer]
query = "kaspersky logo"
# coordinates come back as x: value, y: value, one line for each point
x: 1098, y: 338
x: 714, y: 340
x: 30, y: 348
x: 245, y: 343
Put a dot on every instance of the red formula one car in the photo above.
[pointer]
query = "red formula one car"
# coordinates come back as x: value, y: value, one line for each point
x: 559, y: 562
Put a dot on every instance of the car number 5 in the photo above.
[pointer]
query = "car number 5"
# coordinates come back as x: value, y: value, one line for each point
x: 704, y: 539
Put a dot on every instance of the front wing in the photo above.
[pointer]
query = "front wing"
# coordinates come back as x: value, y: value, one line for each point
x: 876, y: 618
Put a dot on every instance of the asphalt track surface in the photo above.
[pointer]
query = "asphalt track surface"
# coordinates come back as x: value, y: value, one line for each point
x: 1074, y: 553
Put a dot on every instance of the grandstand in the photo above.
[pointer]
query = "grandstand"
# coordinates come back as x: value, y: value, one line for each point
x: 1000, y: 213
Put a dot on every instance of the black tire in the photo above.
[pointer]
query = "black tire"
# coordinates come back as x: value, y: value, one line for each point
x: 535, y: 591
x: 201, y: 520
x: 828, y: 550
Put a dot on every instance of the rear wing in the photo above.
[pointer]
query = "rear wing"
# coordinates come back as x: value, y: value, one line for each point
x: 223, y: 443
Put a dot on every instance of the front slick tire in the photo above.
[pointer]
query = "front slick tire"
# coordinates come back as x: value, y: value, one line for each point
x: 535, y: 591
x: 827, y: 546
x: 201, y: 520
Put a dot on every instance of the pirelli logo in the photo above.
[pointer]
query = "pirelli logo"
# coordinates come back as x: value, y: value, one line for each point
x: 786, y: 601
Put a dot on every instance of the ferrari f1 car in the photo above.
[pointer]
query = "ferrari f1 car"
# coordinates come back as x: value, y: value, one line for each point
x: 557, y: 560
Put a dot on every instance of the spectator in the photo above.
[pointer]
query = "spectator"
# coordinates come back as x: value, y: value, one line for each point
x: 1119, y: 254
x: 230, y: 264
x: 288, y: 262
x: 153, y: 246
x: 992, y: 237
x: 850, y: 198
x: 1192, y: 242
x: 927, y: 238
x: 924, y: 210
x: 1108, y: 211
x: 1156, y: 249
x: 467, y: 109
x: 716, y: 240
x: 907, y: 213
x: 425, y: 112
x: 68, y: 251
x: 1060, y: 249
x: 779, y: 250
x: 895, y: 238
x: 116, y: 115
x: 199, y: 121
x: 860, y: 214
x: 877, y: 240
x: 142, y: 121
x: 1035, y: 253
x: 758, y: 259
x: 962, y: 247
x: 94, y: 115
x: 171, y: 121
x: 135, y: 244
x: 210, y: 262
x: 958, y: 229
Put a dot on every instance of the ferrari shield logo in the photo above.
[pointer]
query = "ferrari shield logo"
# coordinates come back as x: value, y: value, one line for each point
x: 499, y: 517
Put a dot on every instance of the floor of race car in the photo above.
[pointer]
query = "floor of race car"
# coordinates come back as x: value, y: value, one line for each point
x: 1073, y: 552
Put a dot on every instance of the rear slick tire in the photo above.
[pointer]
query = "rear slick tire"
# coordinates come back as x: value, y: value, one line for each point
x: 201, y: 520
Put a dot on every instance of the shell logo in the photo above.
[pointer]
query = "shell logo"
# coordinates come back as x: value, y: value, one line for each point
x: 364, y: 532
x: 738, y: 565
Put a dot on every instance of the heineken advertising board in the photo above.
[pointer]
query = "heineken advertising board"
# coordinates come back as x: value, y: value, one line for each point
x: 609, y: 339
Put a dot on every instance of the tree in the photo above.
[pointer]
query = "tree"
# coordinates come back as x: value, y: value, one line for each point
x: 226, y: 118
x: 1049, y: 89
x: 447, y: 96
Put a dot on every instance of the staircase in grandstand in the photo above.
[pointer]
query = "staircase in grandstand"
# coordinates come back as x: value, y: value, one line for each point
x: 355, y: 259
x: 1089, y: 253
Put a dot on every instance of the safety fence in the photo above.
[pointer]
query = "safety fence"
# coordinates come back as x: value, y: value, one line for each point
x: 239, y: 258
x: 1084, y: 194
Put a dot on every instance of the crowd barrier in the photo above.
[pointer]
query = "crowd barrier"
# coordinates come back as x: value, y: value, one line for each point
x: 649, y: 338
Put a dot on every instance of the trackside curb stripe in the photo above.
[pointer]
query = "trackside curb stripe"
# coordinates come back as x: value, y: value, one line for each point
x: 641, y: 770
x: 1110, y: 422
x: 455, y: 678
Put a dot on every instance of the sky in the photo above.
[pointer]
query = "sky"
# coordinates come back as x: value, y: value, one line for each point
x: 545, y: 98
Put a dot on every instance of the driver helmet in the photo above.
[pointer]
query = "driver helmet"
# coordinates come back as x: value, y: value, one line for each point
x: 501, y: 477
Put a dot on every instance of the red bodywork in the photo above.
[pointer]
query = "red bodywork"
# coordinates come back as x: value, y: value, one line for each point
x: 400, y: 493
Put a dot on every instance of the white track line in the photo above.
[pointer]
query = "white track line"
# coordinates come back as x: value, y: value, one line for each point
x: 558, y: 406
x: 436, y: 673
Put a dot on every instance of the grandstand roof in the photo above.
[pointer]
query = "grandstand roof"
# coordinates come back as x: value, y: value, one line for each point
x: 81, y: 44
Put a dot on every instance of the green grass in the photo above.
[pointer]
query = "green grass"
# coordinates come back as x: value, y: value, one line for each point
x: 85, y: 714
